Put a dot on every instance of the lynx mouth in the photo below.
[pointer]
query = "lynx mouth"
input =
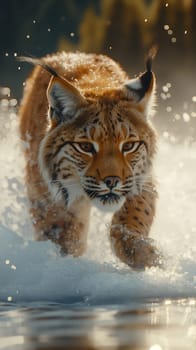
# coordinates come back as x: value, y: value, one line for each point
x: 109, y: 198
x: 109, y: 201
x: 106, y: 198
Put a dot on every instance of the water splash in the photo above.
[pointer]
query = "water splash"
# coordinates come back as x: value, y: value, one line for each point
x: 31, y: 271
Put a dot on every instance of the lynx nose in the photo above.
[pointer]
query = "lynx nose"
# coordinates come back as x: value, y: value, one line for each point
x: 111, y: 181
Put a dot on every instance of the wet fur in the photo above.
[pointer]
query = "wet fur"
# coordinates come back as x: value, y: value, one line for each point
x: 63, y: 184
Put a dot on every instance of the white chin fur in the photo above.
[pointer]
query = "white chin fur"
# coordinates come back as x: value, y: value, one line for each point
x: 108, y: 207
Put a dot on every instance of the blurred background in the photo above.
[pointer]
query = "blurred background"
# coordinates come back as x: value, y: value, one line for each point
x: 122, y: 29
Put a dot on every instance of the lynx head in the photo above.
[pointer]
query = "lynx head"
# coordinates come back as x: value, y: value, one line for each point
x: 98, y: 145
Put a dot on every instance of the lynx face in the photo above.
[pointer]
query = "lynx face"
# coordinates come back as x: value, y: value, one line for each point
x: 97, y: 147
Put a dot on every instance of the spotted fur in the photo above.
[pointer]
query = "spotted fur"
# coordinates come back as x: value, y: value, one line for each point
x: 88, y: 141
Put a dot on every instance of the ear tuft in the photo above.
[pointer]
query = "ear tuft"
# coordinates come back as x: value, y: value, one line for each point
x: 141, y: 89
x: 150, y: 57
x: 39, y: 62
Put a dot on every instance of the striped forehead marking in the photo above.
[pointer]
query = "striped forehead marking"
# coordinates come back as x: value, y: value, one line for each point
x: 107, y: 126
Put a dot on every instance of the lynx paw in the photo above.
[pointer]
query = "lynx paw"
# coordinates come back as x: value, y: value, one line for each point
x: 141, y: 253
x: 137, y: 252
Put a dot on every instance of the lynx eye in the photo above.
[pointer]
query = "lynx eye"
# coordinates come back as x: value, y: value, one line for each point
x: 86, y: 147
x: 131, y: 146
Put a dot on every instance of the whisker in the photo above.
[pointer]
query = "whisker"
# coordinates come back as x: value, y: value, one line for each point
x: 92, y: 187
x: 126, y: 187
x: 144, y: 183
x: 146, y: 186
x: 91, y: 194
x: 145, y: 175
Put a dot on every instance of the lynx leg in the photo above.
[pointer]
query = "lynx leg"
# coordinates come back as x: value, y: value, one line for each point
x: 129, y: 231
x: 66, y: 228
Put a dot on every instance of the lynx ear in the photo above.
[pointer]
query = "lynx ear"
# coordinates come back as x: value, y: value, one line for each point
x: 142, y: 89
x: 64, y: 99
x: 140, y: 86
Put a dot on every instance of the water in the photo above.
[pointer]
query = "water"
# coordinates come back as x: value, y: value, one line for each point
x: 142, y: 324
x: 96, y: 302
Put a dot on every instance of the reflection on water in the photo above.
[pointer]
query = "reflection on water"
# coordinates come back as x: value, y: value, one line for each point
x: 152, y: 325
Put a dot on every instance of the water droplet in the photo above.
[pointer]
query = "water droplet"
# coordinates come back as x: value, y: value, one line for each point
x: 194, y: 98
x: 4, y: 103
x: 170, y: 31
x: 186, y: 117
x: 19, y: 68
x: 165, y: 88
x: 168, y: 109
x: 49, y: 29
x: 7, y: 261
x: 28, y: 36
x: 185, y: 32
x: 173, y: 40
x: 177, y: 116
x: 163, y: 96
x: 34, y: 21
x: 165, y: 134
x: 145, y: 20
x: 13, y: 102
x: 72, y: 34
x: 6, y: 54
x: 15, y: 54
x: 166, y: 27
x: 166, y: 5
x: 9, y: 298
x: 5, y: 91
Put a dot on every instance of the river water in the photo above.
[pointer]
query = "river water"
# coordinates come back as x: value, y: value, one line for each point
x: 96, y: 302
x: 140, y: 324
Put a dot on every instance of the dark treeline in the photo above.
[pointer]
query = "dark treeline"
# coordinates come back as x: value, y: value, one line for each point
x: 123, y: 29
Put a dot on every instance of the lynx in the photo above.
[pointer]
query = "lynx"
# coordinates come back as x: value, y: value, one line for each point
x: 89, y: 142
